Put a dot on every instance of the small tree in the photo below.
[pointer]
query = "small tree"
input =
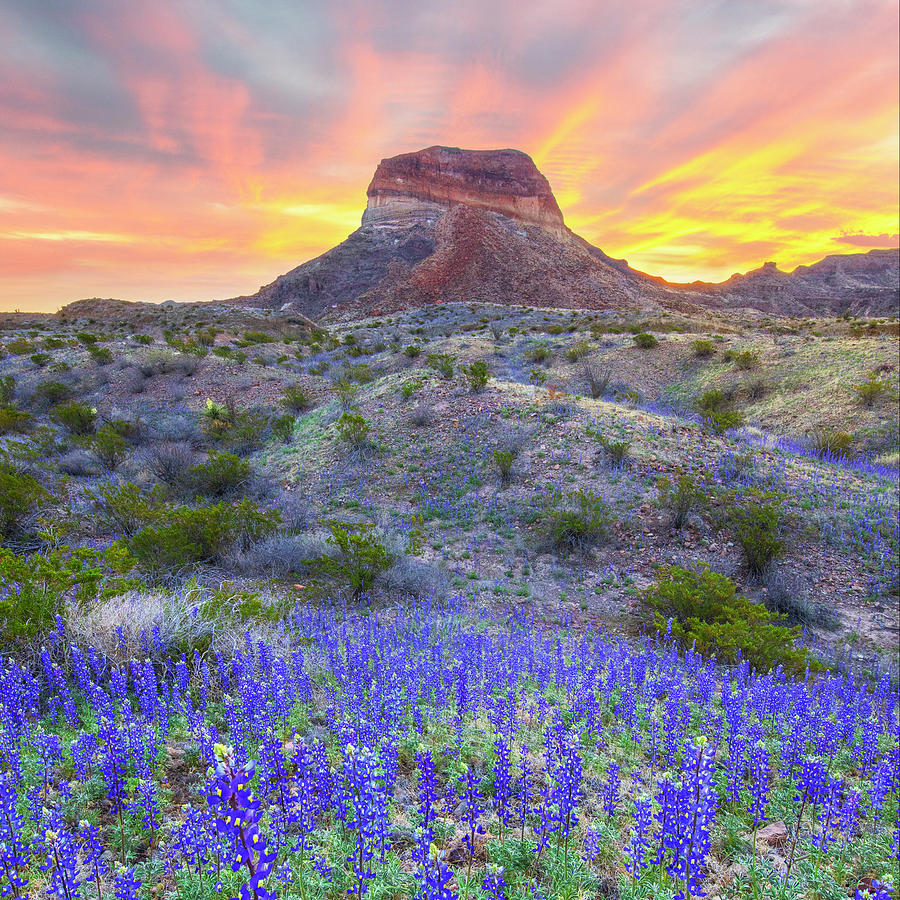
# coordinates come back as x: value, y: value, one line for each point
x: 504, y: 460
x: 869, y: 391
x: 361, y: 557
x: 353, y: 429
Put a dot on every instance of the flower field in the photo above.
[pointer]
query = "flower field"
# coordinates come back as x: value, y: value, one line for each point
x: 440, y: 751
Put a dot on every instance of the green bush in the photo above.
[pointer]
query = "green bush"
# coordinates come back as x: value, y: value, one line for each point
x: 408, y: 388
x: 540, y: 353
x: 746, y: 360
x: 51, y: 393
x: 703, y: 349
x: 220, y: 474
x: 412, y: 350
x: 443, y: 363
x: 614, y: 451
x: 757, y: 526
x: 40, y: 359
x: 538, y: 376
x: 360, y: 557
x: 283, y: 427
x: 101, y: 355
x: 680, y: 500
x: 123, y: 509
x: 13, y: 419
x: 184, y: 535
x: 477, y: 373
x: 353, y: 429
x: 645, y: 341
x: 869, y: 391
x: 77, y: 418
x: 832, y: 441
x: 718, y: 411
x: 20, y: 495
x: 706, y: 612
x: 109, y: 446
x: 504, y: 461
x: 578, y: 350
x: 7, y: 389
x: 297, y: 399
x: 576, y: 521
x: 346, y: 392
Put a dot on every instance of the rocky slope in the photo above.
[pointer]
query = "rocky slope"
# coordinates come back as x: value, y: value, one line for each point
x: 445, y: 224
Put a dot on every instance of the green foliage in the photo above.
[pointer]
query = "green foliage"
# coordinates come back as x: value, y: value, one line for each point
x: 86, y: 338
x: 220, y: 474
x: 443, y: 363
x: 77, y: 418
x: 7, y: 389
x: 477, y: 373
x: 353, y: 429
x: 101, y: 355
x: 708, y: 613
x: 408, y: 388
x: 40, y: 359
x: 832, y: 441
x: 412, y: 350
x: 19, y: 347
x: 645, y: 341
x: 757, y: 526
x: 13, y: 419
x: 123, y: 509
x: 615, y: 451
x: 20, y: 495
x: 52, y: 392
x: 184, y: 535
x: 718, y: 411
x: 34, y: 589
x: 869, y: 391
x: 576, y: 521
x: 703, y: 349
x: 297, y: 399
x: 539, y: 353
x: 746, y: 360
x: 283, y: 427
x: 538, y: 376
x: 256, y: 337
x: 679, y: 499
x: 578, y: 350
x: 217, y: 417
x: 361, y: 374
x: 504, y: 461
x: 109, y: 446
x: 359, y: 559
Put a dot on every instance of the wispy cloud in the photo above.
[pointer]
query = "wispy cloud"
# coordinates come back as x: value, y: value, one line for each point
x: 157, y: 149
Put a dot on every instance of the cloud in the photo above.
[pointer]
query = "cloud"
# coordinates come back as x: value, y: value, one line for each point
x: 884, y: 240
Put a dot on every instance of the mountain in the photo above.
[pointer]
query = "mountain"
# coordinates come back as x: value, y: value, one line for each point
x: 445, y: 224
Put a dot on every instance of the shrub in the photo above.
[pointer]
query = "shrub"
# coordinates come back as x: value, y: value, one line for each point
x: 757, y: 525
x: 220, y: 474
x: 101, y: 355
x: 597, y: 380
x: 184, y: 535
x: 408, y: 388
x: 829, y: 441
x: 504, y: 461
x: 20, y: 496
x: 576, y: 521
x: 40, y: 359
x: 283, y: 427
x: 77, y: 418
x: 869, y: 391
x: 703, y: 349
x: 746, y: 360
x: 412, y: 350
x: 786, y: 596
x: 706, y: 612
x: 680, y: 500
x: 79, y: 463
x: 757, y: 388
x: 359, y: 559
x: 171, y: 463
x: 50, y: 393
x: 421, y: 415
x: 718, y: 412
x: 353, y: 429
x: 109, y: 446
x: 346, y: 391
x: 443, y: 363
x: 645, y: 341
x: 578, y: 350
x: 614, y: 451
x: 217, y: 417
x: 477, y: 373
x: 539, y: 353
x: 537, y: 376
x: 13, y: 420
x: 7, y: 389
x: 123, y: 509
x: 296, y: 398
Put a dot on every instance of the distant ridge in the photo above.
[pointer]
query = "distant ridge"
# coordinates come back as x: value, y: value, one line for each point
x: 447, y: 224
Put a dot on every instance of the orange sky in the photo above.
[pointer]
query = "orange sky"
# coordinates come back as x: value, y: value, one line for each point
x: 154, y: 149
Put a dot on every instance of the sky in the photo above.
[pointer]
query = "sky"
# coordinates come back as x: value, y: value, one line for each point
x: 196, y: 149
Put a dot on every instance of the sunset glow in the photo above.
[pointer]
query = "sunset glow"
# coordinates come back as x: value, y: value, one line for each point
x: 154, y: 149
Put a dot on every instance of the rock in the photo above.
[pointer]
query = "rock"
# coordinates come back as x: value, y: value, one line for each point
x: 775, y: 834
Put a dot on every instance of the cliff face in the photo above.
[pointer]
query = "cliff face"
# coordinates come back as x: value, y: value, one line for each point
x: 448, y: 224
x: 421, y: 186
